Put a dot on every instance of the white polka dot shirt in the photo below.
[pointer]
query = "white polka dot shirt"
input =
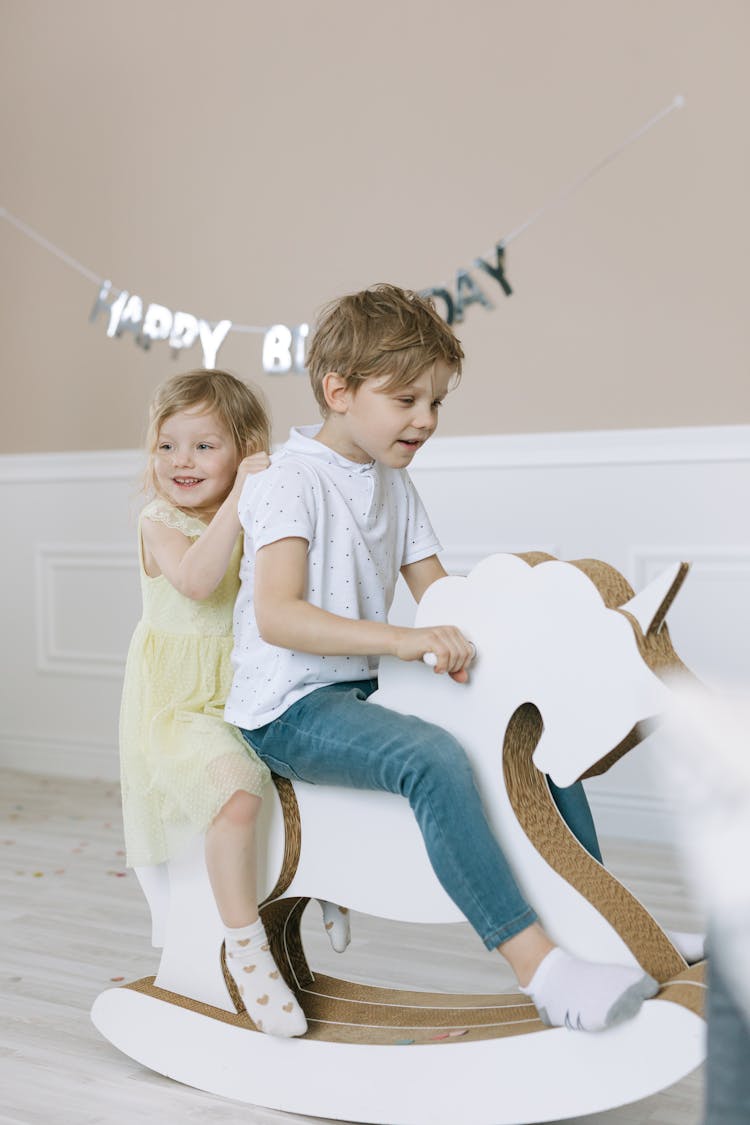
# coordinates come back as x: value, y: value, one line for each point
x: 362, y: 524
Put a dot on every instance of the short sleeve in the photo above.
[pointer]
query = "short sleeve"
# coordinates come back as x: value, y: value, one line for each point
x: 160, y: 511
x: 279, y: 504
x: 420, y: 541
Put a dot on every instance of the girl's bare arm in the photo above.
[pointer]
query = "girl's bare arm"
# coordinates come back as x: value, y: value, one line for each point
x: 195, y: 567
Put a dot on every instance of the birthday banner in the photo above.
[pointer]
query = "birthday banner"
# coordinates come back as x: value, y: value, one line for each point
x: 122, y: 311
x: 283, y: 347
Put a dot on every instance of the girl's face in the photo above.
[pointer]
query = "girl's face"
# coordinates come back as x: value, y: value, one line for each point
x: 195, y: 462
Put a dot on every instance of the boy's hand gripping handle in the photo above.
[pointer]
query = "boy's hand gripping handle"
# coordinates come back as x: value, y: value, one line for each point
x: 430, y: 659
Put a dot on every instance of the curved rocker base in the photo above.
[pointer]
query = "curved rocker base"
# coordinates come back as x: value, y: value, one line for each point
x: 495, y: 1052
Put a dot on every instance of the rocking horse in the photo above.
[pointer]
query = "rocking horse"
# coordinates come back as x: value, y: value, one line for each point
x: 569, y: 667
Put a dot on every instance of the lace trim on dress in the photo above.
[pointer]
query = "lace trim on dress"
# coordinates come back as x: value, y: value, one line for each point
x: 163, y: 512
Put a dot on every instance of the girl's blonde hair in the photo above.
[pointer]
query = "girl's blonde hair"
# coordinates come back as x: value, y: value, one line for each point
x: 239, y: 408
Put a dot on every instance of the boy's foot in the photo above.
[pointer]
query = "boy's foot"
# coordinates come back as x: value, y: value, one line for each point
x: 584, y: 995
x: 336, y: 922
x: 271, y: 1005
x: 690, y: 946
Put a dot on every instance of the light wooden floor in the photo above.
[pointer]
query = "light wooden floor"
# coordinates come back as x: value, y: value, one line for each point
x: 73, y: 921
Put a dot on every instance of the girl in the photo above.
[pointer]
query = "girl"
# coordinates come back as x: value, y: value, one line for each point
x: 184, y: 769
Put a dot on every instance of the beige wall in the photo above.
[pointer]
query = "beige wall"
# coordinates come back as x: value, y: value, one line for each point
x: 249, y: 160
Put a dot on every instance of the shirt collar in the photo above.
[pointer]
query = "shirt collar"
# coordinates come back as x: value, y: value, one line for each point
x: 302, y: 440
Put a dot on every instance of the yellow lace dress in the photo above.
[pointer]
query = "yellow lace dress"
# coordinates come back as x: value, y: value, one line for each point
x: 179, y: 760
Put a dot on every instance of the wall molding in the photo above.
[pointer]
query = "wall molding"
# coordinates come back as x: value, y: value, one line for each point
x: 51, y: 558
x: 680, y: 445
x: 64, y: 468
x: 56, y: 756
x: 725, y: 563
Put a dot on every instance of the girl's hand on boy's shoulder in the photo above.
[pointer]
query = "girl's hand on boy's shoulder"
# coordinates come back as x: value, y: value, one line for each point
x: 249, y: 466
x: 255, y: 463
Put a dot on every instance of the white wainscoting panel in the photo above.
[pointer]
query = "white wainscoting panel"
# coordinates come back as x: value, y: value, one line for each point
x: 636, y: 499
x: 71, y: 640
x: 70, y: 599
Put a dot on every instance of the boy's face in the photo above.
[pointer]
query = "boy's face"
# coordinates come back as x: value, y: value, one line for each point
x: 390, y: 426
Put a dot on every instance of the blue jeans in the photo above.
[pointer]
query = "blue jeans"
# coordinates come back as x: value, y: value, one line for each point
x: 727, y: 1096
x: 334, y: 737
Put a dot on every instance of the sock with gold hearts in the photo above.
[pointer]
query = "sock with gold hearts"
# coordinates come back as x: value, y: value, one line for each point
x: 337, y: 924
x: 271, y: 1005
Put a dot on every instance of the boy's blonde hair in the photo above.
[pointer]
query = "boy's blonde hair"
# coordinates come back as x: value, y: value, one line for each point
x: 240, y: 409
x: 380, y: 331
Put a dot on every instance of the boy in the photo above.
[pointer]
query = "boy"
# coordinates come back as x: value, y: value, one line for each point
x: 328, y: 529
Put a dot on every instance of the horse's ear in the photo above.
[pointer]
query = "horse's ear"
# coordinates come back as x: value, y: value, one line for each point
x: 651, y: 605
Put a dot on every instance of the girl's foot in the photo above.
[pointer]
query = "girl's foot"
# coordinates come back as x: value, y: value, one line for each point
x: 271, y: 1005
x: 584, y: 995
x: 336, y: 922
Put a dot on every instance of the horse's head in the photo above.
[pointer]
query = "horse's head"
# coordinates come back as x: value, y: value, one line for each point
x: 609, y: 683
x: 553, y: 635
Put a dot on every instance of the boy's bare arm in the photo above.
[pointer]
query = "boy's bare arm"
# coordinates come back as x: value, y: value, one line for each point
x: 286, y: 619
x: 419, y: 575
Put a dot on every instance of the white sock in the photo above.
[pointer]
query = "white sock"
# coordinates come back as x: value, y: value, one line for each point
x: 690, y: 946
x: 584, y: 995
x: 336, y: 921
x: 271, y: 1005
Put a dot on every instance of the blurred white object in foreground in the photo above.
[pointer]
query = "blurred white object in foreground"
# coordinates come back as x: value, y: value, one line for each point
x: 706, y: 769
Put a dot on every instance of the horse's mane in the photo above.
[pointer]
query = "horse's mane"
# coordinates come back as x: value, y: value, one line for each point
x: 613, y: 586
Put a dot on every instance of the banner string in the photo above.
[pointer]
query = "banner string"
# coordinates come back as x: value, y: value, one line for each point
x: 47, y: 245
x: 565, y: 193
x: 677, y: 103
